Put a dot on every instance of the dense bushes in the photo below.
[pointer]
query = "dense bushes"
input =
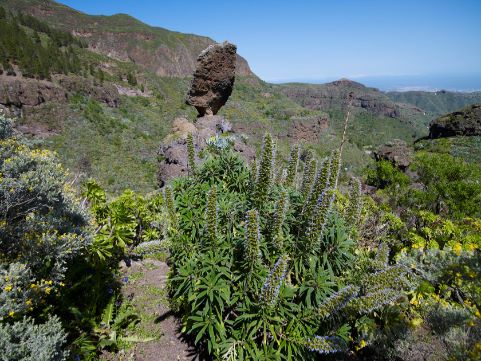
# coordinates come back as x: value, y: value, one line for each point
x: 59, y: 288
x: 43, y: 229
x: 438, y: 236
x: 261, y: 258
x: 450, y: 185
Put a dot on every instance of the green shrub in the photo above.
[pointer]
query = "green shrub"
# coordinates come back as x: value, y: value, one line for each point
x: 451, y: 185
x: 26, y: 341
x: 259, y: 267
x: 384, y: 174
x: 42, y: 225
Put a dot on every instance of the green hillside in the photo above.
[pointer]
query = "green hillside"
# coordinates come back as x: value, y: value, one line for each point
x: 436, y: 103
x: 151, y: 67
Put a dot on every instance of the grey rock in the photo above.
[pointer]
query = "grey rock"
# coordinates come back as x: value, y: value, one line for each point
x: 397, y: 152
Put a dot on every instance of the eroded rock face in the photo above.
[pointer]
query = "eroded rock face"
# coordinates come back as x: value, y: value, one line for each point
x: 173, y: 150
x: 397, y: 152
x: 307, y: 129
x: 213, y: 78
x: 19, y: 92
x: 338, y: 94
x: 106, y: 93
x: 466, y: 122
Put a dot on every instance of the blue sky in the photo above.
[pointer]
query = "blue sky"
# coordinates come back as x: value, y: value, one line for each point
x: 317, y: 40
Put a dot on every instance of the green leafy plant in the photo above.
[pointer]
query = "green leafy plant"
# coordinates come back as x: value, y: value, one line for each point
x: 257, y: 265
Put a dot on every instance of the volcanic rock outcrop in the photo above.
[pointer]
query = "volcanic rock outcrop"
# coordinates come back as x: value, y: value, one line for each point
x: 213, y: 78
x: 20, y: 92
x: 397, y: 152
x: 338, y: 94
x: 466, y: 122
x: 173, y: 151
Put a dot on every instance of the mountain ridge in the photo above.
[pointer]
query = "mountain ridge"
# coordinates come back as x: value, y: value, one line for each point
x: 125, y: 38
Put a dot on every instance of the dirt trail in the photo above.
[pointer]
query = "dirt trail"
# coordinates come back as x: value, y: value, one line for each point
x: 146, y: 290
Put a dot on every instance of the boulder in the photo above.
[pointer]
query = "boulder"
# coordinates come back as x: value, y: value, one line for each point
x: 173, y: 150
x: 213, y: 78
x: 397, y: 152
x: 465, y: 122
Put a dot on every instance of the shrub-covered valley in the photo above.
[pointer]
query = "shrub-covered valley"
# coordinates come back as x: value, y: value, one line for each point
x: 299, y: 222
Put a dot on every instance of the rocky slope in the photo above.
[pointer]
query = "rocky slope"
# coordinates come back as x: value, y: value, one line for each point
x: 122, y: 37
x: 464, y: 122
x: 437, y: 103
x: 336, y: 95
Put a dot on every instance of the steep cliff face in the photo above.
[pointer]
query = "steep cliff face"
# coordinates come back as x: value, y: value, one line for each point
x: 122, y: 37
x: 465, y: 122
x: 336, y: 95
x: 24, y: 92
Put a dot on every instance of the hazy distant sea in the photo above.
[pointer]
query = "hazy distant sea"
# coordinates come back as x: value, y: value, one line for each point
x: 462, y: 83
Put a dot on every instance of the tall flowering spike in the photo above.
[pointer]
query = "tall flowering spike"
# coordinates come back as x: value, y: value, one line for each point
x: 292, y: 167
x: 319, y: 187
x: 310, y: 169
x: 191, y: 153
x: 211, y: 214
x: 169, y: 202
x: 382, y: 255
x: 252, y: 237
x: 335, y: 168
x: 353, y: 212
x: 279, y: 217
x: 318, y: 220
x: 272, y: 284
x: 325, y: 344
x: 376, y: 300
x: 337, y: 301
x: 395, y: 277
x: 264, y: 174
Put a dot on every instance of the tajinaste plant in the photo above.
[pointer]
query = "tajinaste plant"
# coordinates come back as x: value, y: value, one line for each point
x: 191, y: 153
x: 292, y: 167
x: 320, y: 185
x: 335, y: 168
x: 310, y: 169
x: 337, y: 301
x: 278, y: 220
x: 211, y: 214
x: 272, y: 285
x: 318, y: 220
x: 353, y: 211
x: 252, y: 238
x: 264, y: 174
x: 376, y: 300
x: 382, y: 255
x: 325, y: 344
x: 169, y: 202
x: 392, y: 277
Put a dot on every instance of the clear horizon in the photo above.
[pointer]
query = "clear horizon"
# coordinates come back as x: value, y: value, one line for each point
x: 314, y: 40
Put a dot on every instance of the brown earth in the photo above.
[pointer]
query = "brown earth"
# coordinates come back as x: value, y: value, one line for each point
x: 146, y: 290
